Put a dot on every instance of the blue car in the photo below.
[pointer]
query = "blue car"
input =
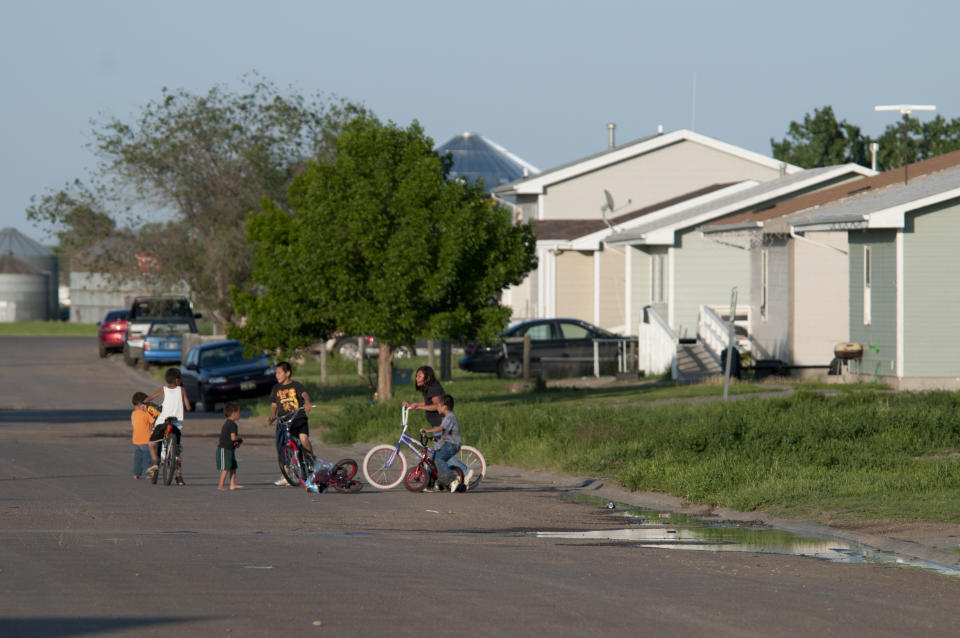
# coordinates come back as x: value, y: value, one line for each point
x: 163, y: 341
x: 221, y: 371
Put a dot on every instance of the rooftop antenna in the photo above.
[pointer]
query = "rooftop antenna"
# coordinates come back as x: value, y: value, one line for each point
x: 693, y: 107
x: 905, y: 110
x: 609, y: 208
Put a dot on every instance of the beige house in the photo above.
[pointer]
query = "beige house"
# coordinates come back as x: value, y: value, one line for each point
x: 587, y: 281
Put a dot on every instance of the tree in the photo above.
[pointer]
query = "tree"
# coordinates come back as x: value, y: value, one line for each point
x: 924, y: 140
x: 380, y: 242
x: 822, y: 141
x: 179, y: 182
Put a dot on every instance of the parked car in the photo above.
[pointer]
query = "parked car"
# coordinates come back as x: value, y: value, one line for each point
x: 112, y: 331
x: 221, y: 371
x: 349, y: 348
x: 566, y: 342
x: 163, y: 341
x: 143, y: 311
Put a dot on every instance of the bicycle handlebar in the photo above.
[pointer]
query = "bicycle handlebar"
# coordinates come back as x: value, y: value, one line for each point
x: 288, y: 418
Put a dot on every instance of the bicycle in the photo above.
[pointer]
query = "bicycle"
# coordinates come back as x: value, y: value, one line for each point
x: 385, y: 466
x: 425, y: 473
x: 296, y: 464
x: 337, y: 475
x: 168, y: 454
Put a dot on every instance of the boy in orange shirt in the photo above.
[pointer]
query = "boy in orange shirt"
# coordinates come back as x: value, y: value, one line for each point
x: 142, y: 421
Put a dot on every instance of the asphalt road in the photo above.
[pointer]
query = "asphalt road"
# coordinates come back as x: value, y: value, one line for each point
x: 87, y: 550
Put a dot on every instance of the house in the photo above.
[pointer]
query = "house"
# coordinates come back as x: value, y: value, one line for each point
x: 799, y: 290
x: 903, y: 305
x: 620, y: 180
x: 675, y: 271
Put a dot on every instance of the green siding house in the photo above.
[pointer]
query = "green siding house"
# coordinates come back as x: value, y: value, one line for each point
x: 904, y: 301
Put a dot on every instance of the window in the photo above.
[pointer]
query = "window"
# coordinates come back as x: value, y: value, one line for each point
x: 574, y: 331
x: 867, y: 276
x: 656, y: 278
x: 540, y: 332
x: 764, y: 281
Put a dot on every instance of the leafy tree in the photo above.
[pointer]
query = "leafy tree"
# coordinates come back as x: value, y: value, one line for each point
x: 822, y: 141
x: 382, y: 243
x: 178, y: 183
x: 924, y: 140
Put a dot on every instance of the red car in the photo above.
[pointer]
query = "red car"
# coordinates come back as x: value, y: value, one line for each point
x: 113, y: 331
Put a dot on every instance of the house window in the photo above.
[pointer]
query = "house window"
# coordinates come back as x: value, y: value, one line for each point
x: 867, y: 276
x: 656, y: 278
x: 764, y: 281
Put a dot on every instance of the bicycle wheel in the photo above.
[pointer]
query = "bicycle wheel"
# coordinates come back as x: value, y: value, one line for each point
x: 416, y: 479
x: 382, y: 469
x: 471, y: 457
x: 346, y: 469
x: 170, y: 460
x: 290, y: 466
x: 348, y: 486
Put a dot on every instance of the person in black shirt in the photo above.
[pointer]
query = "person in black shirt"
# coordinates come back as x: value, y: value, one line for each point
x: 229, y: 440
x: 288, y: 396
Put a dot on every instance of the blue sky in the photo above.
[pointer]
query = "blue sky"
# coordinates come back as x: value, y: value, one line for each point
x: 541, y: 78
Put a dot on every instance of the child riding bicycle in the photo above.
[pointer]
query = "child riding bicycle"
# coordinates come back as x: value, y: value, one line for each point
x: 449, y: 430
x: 289, y: 396
x: 174, y: 401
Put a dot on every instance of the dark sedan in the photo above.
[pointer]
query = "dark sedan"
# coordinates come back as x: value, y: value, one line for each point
x: 564, y: 344
x: 220, y: 371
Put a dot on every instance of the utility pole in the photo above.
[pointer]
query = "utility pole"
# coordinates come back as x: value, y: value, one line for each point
x: 905, y: 110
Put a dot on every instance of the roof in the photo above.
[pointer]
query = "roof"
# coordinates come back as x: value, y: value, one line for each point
x: 475, y: 157
x: 759, y: 217
x: 10, y: 265
x: 661, y: 230
x: 883, y: 208
x: 537, y: 183
x: 569, y: 229
x: 13, y: 242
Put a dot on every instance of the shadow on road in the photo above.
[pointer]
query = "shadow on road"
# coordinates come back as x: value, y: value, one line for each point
x: 61, y: 627
x: 63, y: 416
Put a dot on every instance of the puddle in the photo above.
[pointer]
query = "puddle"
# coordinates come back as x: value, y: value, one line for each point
x: 669, y: 530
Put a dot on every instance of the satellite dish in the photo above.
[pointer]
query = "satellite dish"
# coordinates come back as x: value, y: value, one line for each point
x: 608, y: 198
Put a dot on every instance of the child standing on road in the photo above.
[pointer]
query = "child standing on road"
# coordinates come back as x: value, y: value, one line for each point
x: 142, y: 421
x: 174, y: 401
x: 449, y: 430
x: 230, y: 440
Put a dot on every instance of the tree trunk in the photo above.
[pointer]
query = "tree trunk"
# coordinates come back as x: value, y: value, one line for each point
x: 385, y: 372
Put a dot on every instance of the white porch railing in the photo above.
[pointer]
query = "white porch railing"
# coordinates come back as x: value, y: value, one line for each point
x: 714, y: 332
x: 657, y: 344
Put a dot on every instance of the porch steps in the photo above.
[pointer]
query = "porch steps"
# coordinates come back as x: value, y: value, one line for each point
x: 695, y: 363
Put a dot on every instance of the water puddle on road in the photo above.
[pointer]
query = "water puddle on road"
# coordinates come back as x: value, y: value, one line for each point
x: 669, y: 530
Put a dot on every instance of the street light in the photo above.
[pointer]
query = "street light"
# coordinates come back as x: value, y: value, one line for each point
x: 905, y: 110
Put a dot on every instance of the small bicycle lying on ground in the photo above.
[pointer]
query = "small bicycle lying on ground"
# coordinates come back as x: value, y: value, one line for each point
x: 385, y: 466
x: 337, y: 475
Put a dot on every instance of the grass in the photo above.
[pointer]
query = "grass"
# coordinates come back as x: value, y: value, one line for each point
x: 47, y: 329
x: 856, y: 451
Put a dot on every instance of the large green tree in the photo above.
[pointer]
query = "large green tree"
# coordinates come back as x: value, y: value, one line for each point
x: 381, y: 242
x: 178, y: 181
x: 820, y: 140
